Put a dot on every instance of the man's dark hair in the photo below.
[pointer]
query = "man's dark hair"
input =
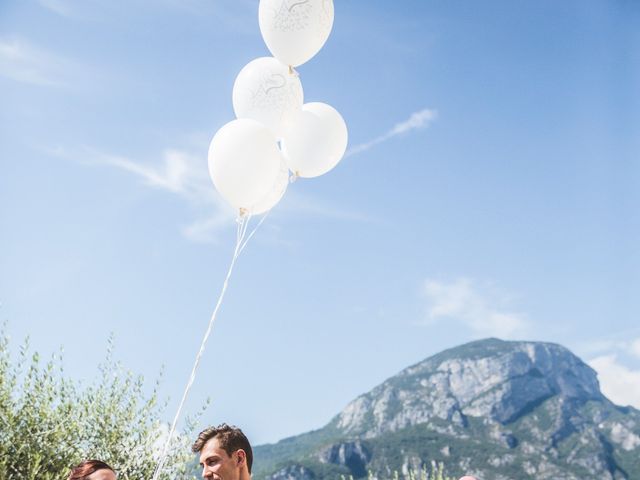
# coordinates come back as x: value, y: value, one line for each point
x: 86, y: 468
x: 230, y: 439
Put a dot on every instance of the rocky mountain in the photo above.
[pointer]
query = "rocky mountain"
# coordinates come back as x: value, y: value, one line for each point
x: 496, y: 409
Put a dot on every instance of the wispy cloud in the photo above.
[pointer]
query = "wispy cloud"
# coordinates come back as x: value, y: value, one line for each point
x: 61, y: 7
x: 418, y: 120
x: 626, y: 343
x: 480, y: 307
x: 618, y: 382
x: 614, y: 358
x: 205, y: 230
x: 229, y: 14
x: 179, y: 172
x: 184, y: 173
x: 296, y: 203
x: 25, y: 63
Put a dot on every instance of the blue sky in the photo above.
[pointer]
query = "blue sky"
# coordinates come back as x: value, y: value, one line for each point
x: 490, y: 189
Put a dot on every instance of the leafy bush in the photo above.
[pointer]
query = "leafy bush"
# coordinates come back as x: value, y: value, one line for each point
x: 49, y: 423
x: 435, y: 473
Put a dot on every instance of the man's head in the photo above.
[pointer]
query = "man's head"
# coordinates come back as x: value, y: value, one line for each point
x: 92, y: 470
x: 225, y: 453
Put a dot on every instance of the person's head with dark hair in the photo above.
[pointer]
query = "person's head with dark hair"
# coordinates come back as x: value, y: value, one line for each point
x: 225, y: 453
x: 92, y: 470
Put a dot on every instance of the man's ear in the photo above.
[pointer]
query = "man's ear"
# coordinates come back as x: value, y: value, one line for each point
x: 242, y: 457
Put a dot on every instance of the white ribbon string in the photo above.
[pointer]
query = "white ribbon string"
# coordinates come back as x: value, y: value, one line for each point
x: 243, y: 223
x: 264, y: 217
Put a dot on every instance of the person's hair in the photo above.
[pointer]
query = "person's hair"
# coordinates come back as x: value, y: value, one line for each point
x: 86, y: 468
x: 230, y: 439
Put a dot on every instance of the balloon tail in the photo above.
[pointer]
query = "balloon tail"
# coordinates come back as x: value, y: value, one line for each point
x: 293, y: 71
x: 243, y: 223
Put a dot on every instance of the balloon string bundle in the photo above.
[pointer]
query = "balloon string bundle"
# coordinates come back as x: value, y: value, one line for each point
x: 275, y: 133
x: 241, y: 243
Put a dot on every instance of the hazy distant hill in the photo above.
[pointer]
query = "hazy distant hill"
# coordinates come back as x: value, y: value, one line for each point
x: 501, y: 410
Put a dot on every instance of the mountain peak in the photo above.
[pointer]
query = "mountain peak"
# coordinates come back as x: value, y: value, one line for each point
x: 497, y: 409
x: 491, y: 378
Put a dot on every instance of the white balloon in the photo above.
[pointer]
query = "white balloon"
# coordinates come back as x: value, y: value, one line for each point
x: 314, y: 140
x: 295, y: 30
x: 275, y: 195
x: 244, y: 162
x: 267, y: 91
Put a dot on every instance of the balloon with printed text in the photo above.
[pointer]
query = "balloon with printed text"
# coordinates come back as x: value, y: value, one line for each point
x: 266, y: 90
x: 295, y: 30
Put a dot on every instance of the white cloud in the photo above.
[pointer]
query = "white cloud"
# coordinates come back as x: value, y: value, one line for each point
x: 614, y: 358
x: 417, y: 120
x: 60, y: 7
x: 25, y: 63
x: 480, y: 307
x: 626, y: 343
x: 618, y: 382
x: 230, y: 14
x: 298, y: 204
x: 205, y: 230
x: 185, y: 174
x: 179, y: 172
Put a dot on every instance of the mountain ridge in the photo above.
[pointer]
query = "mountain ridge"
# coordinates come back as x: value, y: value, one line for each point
x: 499, y: 409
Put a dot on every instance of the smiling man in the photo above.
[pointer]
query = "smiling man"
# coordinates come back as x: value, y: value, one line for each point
x: 225, y: 453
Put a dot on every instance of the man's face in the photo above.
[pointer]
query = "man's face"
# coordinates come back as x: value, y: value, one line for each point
x: 217, y: 464
x: 102, y: 474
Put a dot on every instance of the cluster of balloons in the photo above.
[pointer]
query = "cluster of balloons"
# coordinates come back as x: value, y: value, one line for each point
x: 275, y: 131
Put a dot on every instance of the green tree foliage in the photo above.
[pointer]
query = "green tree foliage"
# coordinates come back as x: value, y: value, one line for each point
x: 49, y: 423
x: 436, y: 472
